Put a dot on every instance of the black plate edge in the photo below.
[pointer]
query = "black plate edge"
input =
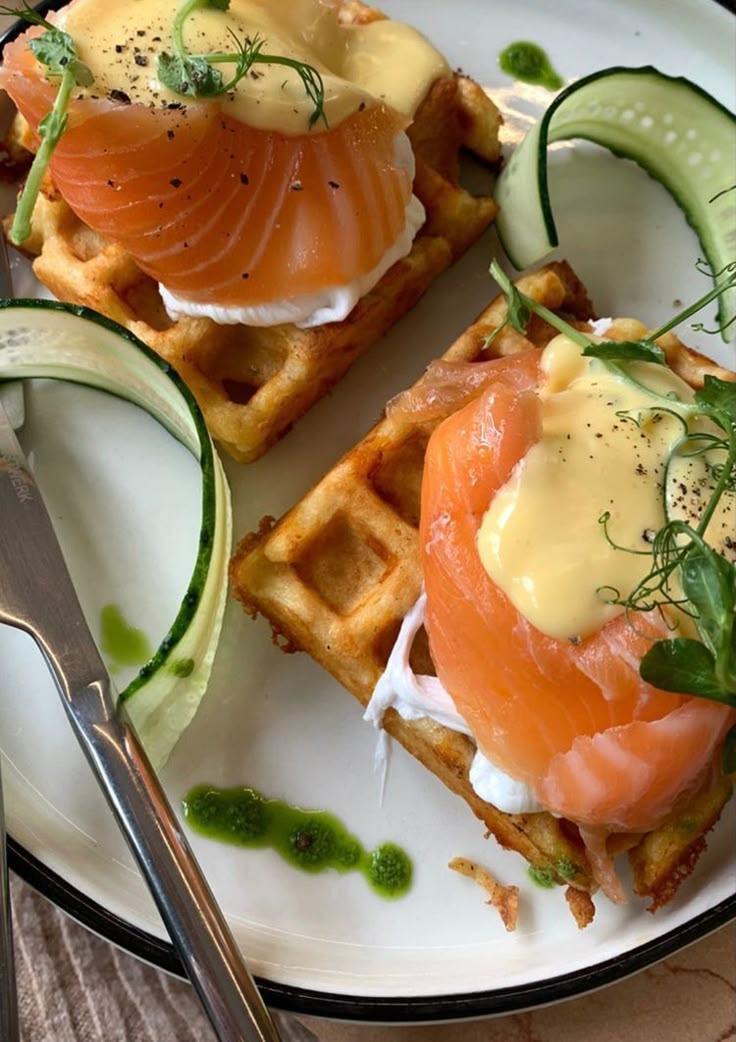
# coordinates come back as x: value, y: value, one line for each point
x: 394, y: 1010
x: 391, y: 1010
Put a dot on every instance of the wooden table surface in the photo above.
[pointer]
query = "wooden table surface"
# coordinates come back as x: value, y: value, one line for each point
x: 75, y: 987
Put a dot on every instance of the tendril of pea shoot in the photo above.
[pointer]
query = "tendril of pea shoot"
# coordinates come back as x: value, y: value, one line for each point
x: 196, y: 75
x: 191, y: 75
x: 686, y: 572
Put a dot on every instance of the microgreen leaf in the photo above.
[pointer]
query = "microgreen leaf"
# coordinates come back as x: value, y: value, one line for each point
x: 195, y: 75
x: 191, y: 76
x: 718, y: 395
x: 627, y: 351
x: 518, y: 311
x: 520, y: 308
x: 709, y: 583
x: 682, y: 665
x: 82, y: 73
x: 54, y: 49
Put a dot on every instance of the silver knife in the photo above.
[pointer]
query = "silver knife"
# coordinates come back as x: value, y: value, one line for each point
x: 36, y: 595
x: 9, y: 1026
x: 11, y: 397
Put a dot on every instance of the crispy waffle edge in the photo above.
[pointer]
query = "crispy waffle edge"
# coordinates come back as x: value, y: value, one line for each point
x: 336, y: 575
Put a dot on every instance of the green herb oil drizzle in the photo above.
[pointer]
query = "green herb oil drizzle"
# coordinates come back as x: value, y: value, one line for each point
x: 549, y: 876
x: 310, y: 840
x: 543, y: 877
x: 529, y: 63
x: 122, y: 643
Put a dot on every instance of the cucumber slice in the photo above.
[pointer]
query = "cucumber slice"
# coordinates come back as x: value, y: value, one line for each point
x: 40, y: 338
x: 679, y: 134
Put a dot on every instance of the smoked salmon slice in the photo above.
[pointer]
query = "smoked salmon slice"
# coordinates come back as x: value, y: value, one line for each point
x: 217, y: 211
x: 573, y: 720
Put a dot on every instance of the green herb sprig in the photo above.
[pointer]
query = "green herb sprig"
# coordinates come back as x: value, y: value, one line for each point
x: 681, y: 558
x: 55, y: 50
x: 520, y: 308
x: 193, y: 75
x: 196, y: 75
x: 708, y: 581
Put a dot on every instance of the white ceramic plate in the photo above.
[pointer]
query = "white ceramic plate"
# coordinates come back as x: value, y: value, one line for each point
x: 124, y: 499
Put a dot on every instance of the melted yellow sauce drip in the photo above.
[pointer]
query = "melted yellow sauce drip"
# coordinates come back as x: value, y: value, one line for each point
x: 541, y: 540
x: 360, y: 65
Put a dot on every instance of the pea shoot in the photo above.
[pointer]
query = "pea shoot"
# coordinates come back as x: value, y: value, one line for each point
x: 686, y: 571
x: 196, y: 75
x: 191, y: 75
x: 55, y: 50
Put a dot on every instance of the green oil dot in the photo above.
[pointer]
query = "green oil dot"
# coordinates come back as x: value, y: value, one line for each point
x: 310, y: 840
x: 390, y: 870
x: 235, y: 815
x: 122, y: 643
x: 529, y: 63
x: 182, y: 667
x: 544, y: 877
x: 312, y: 844
x: 567, y: 868
x: 348, y: 853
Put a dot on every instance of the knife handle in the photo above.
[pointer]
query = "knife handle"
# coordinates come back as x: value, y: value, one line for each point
x: 186, y: 904
x: 37, y: 595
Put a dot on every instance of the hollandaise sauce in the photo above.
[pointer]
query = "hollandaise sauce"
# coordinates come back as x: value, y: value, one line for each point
x: 572, y: 529
x: 360, y: 65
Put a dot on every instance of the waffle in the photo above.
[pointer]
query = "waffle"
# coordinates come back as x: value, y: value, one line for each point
x: 338, y: 573
x: 254, y: 383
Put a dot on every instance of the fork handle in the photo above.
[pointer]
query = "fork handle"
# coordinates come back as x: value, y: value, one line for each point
x: 194, y: 921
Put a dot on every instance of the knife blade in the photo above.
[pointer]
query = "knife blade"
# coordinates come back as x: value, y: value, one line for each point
x: 37, y: 596
x: 11, y: 397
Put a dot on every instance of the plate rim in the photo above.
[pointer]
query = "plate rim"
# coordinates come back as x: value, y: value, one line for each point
x: 395, y: 1009
x: 359, y: 1008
